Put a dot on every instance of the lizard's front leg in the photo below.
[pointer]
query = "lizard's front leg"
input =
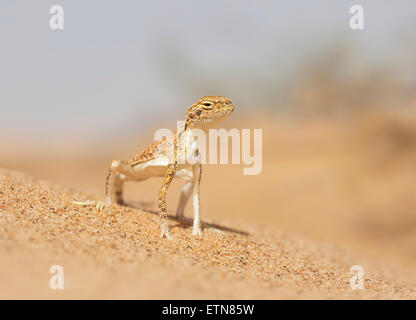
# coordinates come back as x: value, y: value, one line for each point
x: 170, y: 173
x: 197, y: 172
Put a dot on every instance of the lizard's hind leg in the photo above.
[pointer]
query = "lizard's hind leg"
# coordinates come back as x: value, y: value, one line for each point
x: 184, y: 197
x: 185, y: 174
x: 113, y: 189
x: 114, y: 184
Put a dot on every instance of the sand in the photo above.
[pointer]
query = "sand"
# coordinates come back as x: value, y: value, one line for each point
x: 118, y: 254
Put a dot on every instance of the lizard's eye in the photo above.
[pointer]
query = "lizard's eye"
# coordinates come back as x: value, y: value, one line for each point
x: 207, y: 105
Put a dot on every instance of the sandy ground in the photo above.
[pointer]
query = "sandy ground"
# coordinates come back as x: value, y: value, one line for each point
x: 324, y: 202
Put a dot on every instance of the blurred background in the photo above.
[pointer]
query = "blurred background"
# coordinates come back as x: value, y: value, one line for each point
x: 337, y: 106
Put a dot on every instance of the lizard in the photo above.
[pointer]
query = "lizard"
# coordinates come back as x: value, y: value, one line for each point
x: 161, y: 160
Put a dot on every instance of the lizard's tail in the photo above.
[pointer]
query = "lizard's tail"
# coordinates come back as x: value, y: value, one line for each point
x: 85, y: 203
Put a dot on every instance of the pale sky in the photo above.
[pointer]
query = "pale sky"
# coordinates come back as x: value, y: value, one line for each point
x: 123, y: 63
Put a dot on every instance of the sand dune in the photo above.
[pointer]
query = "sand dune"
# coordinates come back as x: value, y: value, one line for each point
x: 118, y: 254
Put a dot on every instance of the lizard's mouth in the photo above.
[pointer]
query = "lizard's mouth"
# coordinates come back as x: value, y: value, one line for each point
x: 221, y: 115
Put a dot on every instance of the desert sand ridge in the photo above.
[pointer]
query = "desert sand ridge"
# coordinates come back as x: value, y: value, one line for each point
x: 118, y: 254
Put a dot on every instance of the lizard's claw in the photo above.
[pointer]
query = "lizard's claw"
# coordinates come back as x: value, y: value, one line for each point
x: 99, y: 205
x: 165, y: 232
x: 196, y: 230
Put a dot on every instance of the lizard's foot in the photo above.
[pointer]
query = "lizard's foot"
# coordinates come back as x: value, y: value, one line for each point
x: 179, y: 214
x: 99, y: 205
x: 165, y: 231
x: 196, y: 230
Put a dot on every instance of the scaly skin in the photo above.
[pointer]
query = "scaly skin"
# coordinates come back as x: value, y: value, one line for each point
x: 159, y: 160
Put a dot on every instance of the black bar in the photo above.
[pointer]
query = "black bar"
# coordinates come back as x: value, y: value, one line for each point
x: 206, y: 309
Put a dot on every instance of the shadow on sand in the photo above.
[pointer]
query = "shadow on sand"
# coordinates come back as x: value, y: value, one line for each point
x: 184, y: 222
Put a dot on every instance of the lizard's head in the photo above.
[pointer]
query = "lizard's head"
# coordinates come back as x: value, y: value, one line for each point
x: 208, y: 111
